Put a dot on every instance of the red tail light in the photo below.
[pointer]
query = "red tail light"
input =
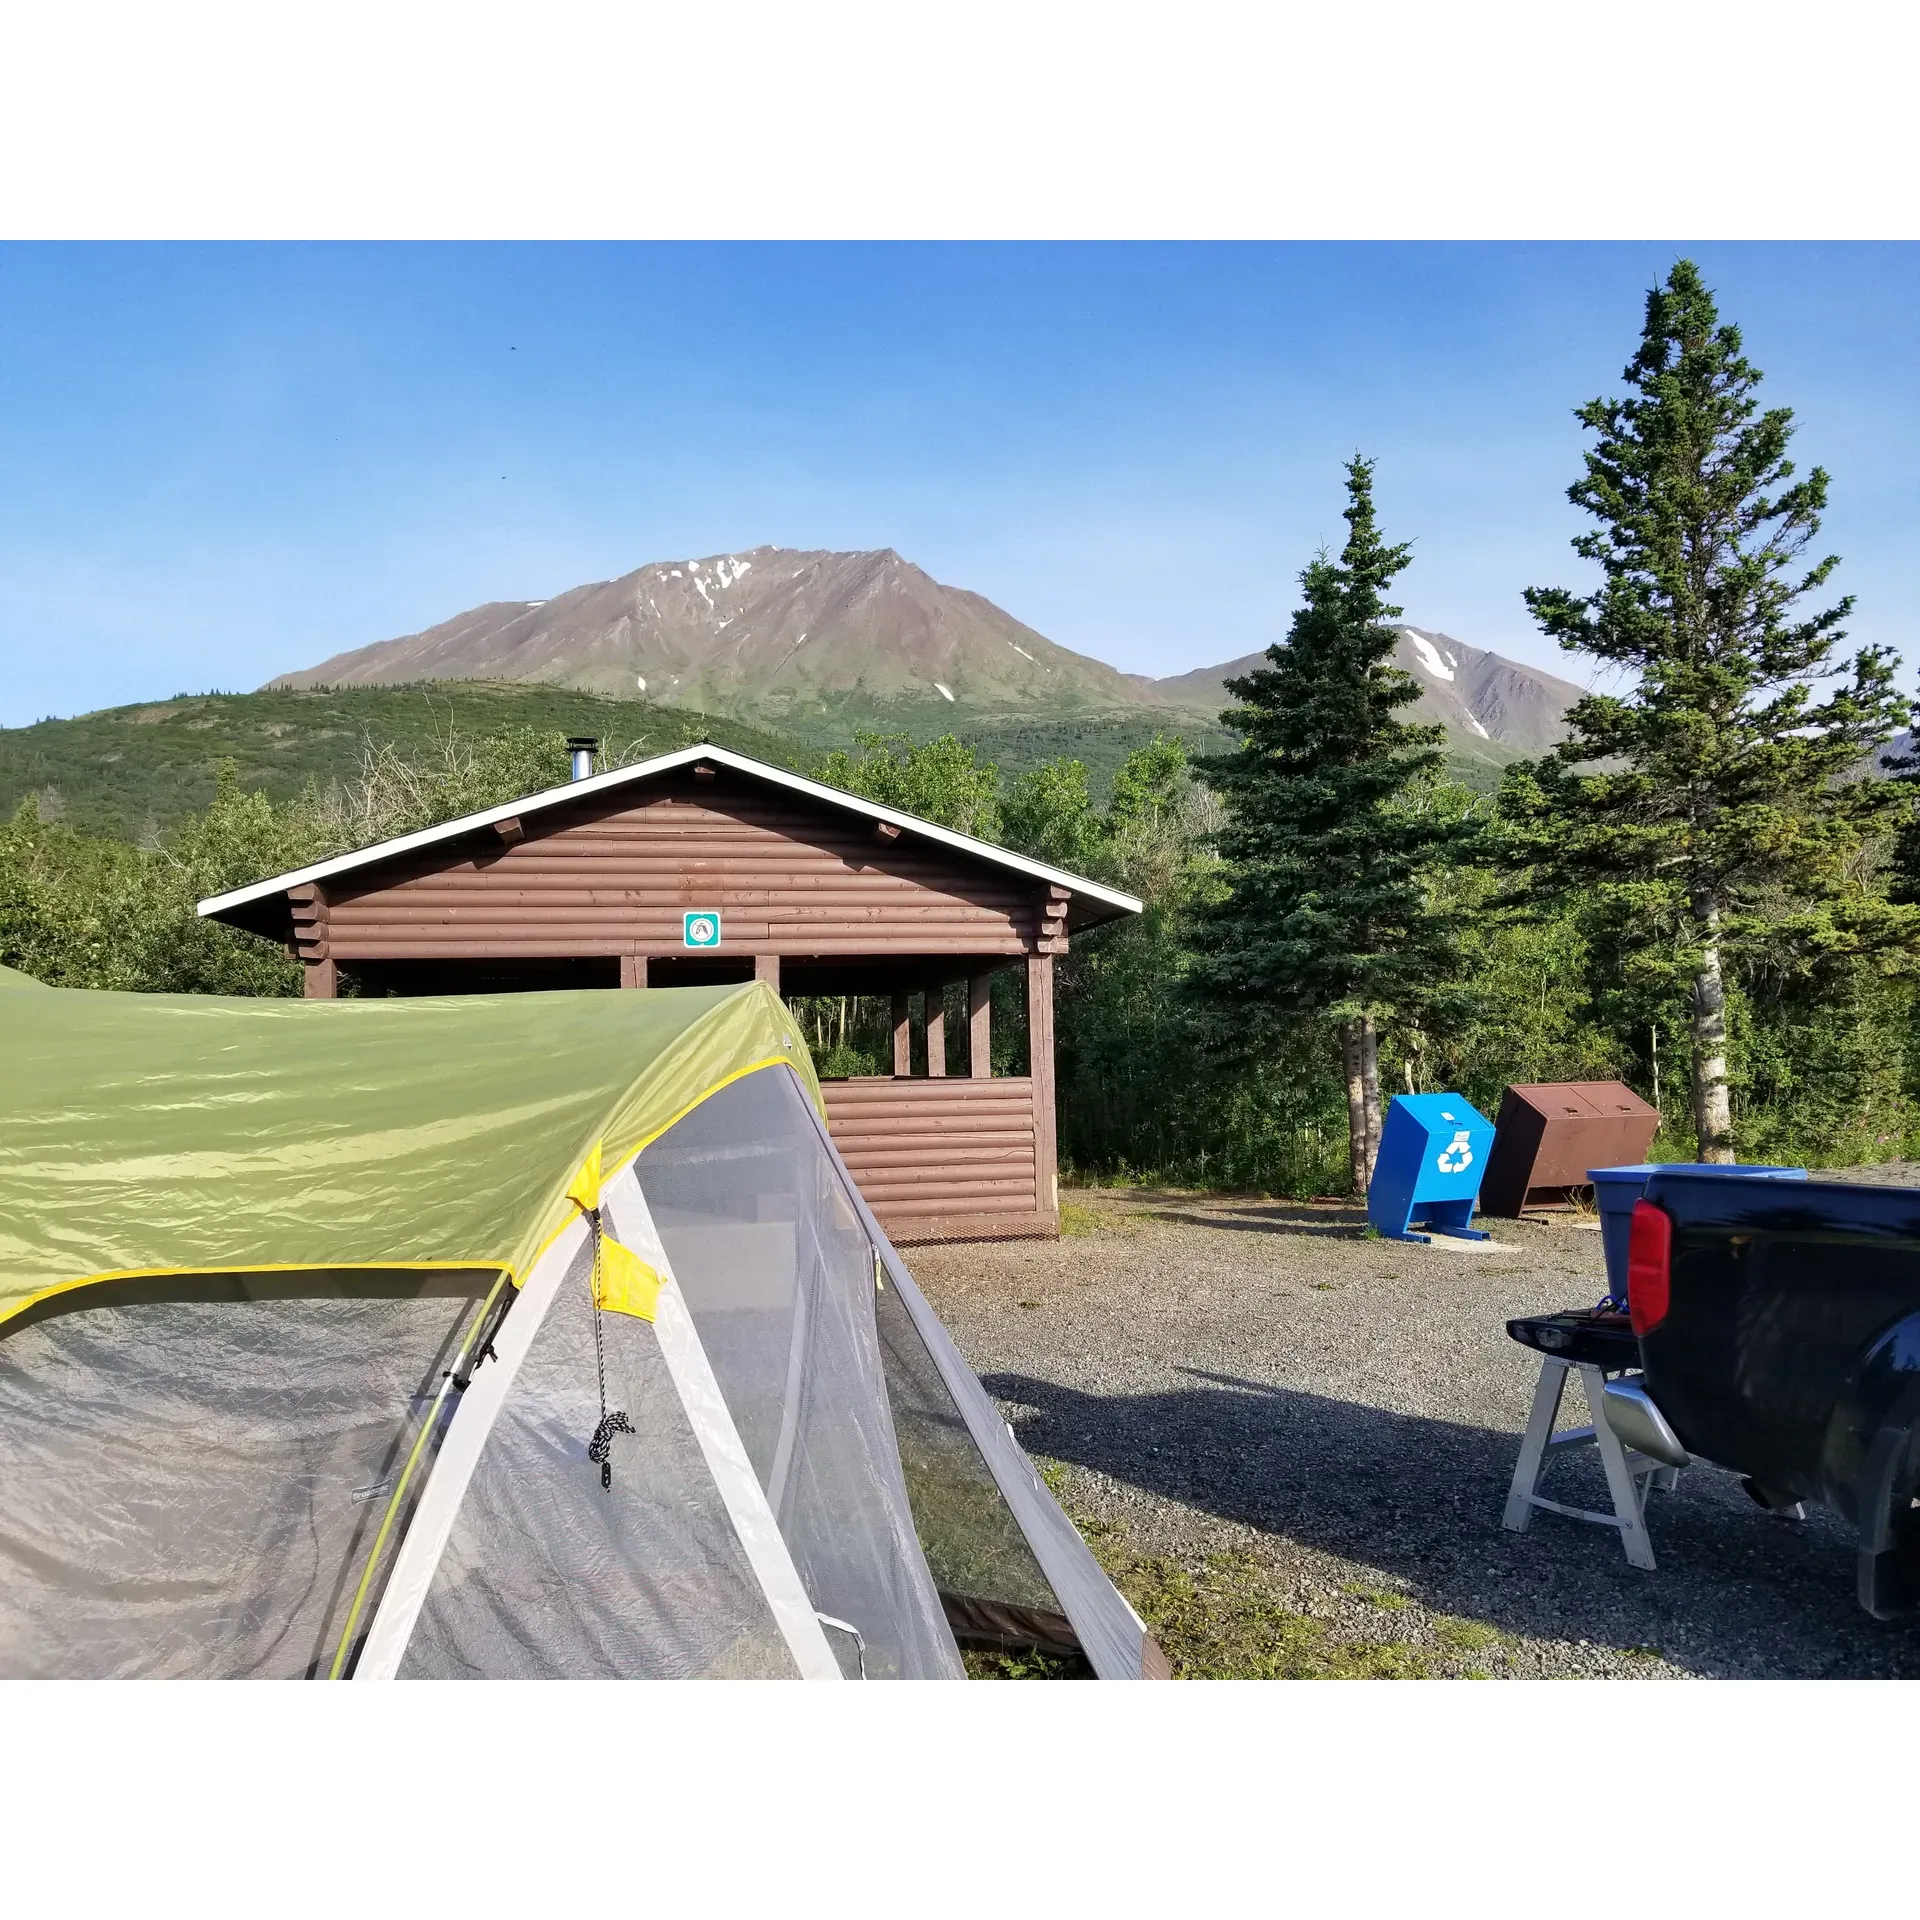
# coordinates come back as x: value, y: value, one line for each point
x: 1649, y: 1255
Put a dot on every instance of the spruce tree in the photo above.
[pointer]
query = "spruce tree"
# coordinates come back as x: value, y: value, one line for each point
x: 1327, y: 913
x: 1718, y: 810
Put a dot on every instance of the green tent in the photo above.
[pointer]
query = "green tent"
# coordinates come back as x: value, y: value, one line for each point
x: 526, y: 1334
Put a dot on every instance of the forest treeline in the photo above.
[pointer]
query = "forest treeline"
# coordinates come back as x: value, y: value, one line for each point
x: 1154, y: 1080
x: 1707, y: 891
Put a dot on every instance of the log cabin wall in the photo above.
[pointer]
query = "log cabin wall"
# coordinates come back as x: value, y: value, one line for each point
x: 807, y: 896
x: 615, y: 876
x: 944, y: 1159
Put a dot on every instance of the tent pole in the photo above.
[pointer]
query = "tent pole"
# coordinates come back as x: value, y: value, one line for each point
x: 418, y: 1558
x: 1114, y: 1637
x: 725, y: 1453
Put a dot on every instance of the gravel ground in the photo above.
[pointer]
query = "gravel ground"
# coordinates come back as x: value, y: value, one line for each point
x: 1219, y: 1374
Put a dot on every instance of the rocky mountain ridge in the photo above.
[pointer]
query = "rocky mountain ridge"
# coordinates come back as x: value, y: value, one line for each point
x: 1485, y: 701
x: 773, y: 632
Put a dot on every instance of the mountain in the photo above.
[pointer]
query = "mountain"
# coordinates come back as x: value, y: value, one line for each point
x: 1489, y: 705
x: 789, y: 639
x: 759, y: 631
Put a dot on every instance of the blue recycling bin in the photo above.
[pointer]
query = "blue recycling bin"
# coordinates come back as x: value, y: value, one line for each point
x: 1433, y: 1150
x: 1617, y: 1188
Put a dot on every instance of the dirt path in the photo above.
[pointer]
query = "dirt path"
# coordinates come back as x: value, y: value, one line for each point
x: 1319, y: 1429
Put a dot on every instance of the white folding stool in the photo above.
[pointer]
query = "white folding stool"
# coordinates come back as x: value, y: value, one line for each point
x: 1630, y: 1475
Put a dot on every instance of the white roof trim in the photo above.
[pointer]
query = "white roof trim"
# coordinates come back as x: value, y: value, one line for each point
x: 665, y: 763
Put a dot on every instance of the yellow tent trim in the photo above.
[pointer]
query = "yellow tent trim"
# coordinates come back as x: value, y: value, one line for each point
x: 593, y: 1153
x: 260, y: 1266
x: 590, y: 1166
x: 726, y: 1080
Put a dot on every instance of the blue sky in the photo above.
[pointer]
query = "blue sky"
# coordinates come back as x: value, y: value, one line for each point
x: 217, y: 463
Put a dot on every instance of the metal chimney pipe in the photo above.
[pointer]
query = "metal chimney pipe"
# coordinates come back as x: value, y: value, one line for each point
x: 583, y: 747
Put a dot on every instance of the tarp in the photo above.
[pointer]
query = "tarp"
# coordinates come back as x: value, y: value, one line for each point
x: 163, y: 1133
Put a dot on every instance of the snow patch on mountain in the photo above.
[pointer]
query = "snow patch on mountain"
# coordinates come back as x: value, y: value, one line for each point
x: 1431, y: 657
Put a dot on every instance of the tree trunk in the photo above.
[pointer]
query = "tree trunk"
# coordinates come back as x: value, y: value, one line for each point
x: 1360, y: 1058
x: 1370, y: 1084
x: 1356, y: 1106
x: 1712, y: 1108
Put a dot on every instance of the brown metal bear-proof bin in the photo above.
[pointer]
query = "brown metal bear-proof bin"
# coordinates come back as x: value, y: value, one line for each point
x: 1547, y: 1136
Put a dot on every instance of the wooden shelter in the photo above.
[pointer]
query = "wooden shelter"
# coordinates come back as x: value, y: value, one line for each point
x: 704, y: 866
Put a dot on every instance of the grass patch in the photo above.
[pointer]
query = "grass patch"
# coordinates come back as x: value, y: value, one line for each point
x: 1470, y: 1636
x: 1219, y: 1621
x: 1379, y: 1597
x: 1218, y: 1617
x: 1015, y: 1666
x: 1078, y: 1221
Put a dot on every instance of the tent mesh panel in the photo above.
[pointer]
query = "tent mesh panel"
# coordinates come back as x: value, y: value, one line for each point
x: 779, y: 1277
x: 193, y: 1483
x: 547, y: 1575
x: 973, y: 1543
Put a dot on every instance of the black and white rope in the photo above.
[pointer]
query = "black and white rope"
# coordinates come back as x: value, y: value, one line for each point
x: 600, y: 1447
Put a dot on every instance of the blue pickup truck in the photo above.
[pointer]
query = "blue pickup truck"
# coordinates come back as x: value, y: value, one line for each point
x: 1779, y: 1325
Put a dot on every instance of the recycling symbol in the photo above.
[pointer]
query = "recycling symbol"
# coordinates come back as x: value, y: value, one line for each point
x: 1458, y: 1157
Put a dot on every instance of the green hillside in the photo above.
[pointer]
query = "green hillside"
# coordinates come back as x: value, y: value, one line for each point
x: 133, y: 771
x: 1015, y: 742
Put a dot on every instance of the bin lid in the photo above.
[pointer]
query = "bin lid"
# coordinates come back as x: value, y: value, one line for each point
x: 1436, y: 1110
x: 1639, y: 1176
x: 1578, y: 1099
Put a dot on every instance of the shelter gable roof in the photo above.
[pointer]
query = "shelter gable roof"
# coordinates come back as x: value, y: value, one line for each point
x: 1095, y: 895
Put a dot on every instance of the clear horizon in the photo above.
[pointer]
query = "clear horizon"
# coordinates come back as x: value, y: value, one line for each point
x: 224, y: 462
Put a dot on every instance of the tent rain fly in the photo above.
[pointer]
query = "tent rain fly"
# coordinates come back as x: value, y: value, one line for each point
x: 529, y: 1335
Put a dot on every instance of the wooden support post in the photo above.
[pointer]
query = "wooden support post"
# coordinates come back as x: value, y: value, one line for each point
x: 937, y: 1030
x: 308, y: 907
x: 1046, y: 1185
x: 980, y: 1026
x: 902, y: 1038
x: 766, y: 966
x: 1053, y: 920
x: 633, y: 969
